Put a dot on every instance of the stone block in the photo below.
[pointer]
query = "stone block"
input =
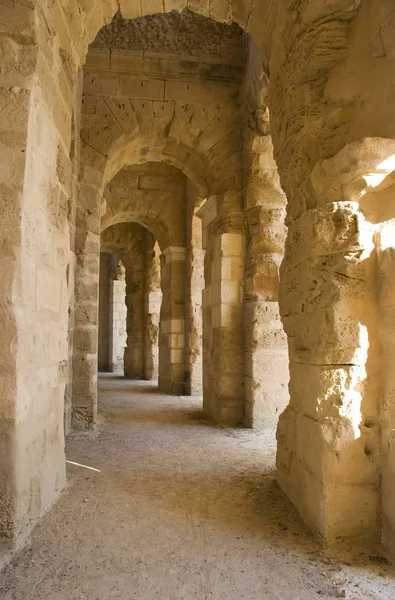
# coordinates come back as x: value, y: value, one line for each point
x: 144, y: 89
x: 231, y: 244
x: 331, y: 336
x: 176, y: 356
x: 101, y: 85
x: 334, y: 228
x: 48, y: 290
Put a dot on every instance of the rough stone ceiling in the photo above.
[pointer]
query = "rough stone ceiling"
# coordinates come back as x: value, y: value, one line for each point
x: 153, y: 169
x: 183, y: 34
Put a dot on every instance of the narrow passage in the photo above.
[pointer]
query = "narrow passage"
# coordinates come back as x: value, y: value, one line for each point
x: 177, y: 508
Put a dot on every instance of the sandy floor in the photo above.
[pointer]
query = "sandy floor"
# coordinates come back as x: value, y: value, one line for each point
x: 178, y: 509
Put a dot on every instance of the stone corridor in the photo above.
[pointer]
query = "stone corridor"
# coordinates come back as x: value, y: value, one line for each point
x: 178, y: 509
x: 202, y: 193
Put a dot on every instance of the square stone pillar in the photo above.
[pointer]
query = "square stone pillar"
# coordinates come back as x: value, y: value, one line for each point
x: 266, y: 352
x: 172, y: 321
x: 135, y: 321
x: 223, y: 341
x: 86, y: 301
x: 152, y: 304
x: 328, y: 436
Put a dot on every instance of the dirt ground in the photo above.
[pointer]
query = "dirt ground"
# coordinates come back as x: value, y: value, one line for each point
x: 178, y: 509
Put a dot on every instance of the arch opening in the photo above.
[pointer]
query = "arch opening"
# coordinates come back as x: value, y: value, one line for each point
x: 53, y: 231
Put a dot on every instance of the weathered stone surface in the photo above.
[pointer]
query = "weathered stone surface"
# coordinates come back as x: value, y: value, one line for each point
x: 328, y: 110
x: 185, y: 35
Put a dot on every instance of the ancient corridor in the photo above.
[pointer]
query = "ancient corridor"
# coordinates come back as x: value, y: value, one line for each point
x: 179, y: 509
x: 198, y: 195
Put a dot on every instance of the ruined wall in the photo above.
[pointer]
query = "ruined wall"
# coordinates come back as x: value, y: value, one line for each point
x: 331, y: 69
x: 328, y: 437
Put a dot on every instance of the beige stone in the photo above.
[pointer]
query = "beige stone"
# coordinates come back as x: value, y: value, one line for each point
x: 121, y: 146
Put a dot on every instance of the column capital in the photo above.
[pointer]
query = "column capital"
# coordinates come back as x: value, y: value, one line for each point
x: 174, y: 253
x: 208, y: 212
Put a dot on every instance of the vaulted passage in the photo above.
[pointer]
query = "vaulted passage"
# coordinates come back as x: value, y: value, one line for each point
x: 178, y: 508
x: 199, y: 194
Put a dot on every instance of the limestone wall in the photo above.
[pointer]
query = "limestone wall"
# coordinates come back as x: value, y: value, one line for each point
x: 34, y: 297
x: 331, y: 68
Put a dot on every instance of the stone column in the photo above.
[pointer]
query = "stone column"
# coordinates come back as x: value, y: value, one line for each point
x: 86, y: 296
x: 266, y: 354
x: 194, y: 289
x: 119, y: 316
x: 104, y: 312
x: 152, y: 301
x: 135, y: 322
x: 223, y: 342
x: 266, y: 351
x: 172, y: 321
x: 35, y: 185
x: 327, y: 460
x: 386, y: 294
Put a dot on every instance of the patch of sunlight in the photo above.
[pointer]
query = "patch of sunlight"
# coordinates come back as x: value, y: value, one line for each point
x: 70, y: 462
x: 382, y: 170
x: 387, y: 235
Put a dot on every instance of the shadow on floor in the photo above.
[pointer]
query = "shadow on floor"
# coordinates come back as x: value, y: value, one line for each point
x: 162, y: 417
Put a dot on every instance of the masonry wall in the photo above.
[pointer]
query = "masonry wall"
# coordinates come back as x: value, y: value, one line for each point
x: 169, y: 111
x: 331, y: 69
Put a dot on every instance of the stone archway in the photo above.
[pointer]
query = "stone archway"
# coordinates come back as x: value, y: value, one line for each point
x: 136, y: 247
x: 195, y: 135
x: 311, y: 50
